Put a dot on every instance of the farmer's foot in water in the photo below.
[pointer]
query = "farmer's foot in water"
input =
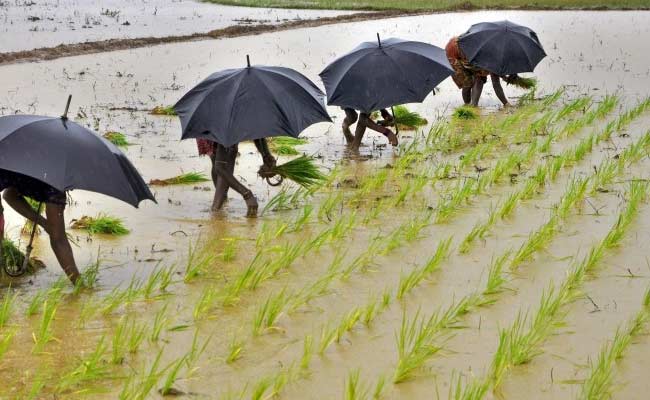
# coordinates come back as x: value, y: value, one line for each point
x: 251, y: 203
x: 349, y: 137
x: 219, y: 200
x: 392, y: 137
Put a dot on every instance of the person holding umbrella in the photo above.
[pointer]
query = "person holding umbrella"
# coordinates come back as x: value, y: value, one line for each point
x: 223, y: 166
x: 15, y: 188
x: 500, y: 50
x: 378, y: 75
x: 43, y: 158
x: 251, y: 103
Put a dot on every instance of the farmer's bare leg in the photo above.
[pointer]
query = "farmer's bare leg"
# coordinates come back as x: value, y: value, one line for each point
x: 368, y: 122
x: 224, y: 166
x: 359, y: 131
x: 59, y: 240
x: 18, y: 203
x: 498, y: 89
x: 351, y: 117
x: 387, y: 118
x: 220, y: 191
x: 477, y: 89
x: 467, y: 95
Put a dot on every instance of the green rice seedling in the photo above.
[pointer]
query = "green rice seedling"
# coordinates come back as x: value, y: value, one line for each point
x: 160, y: 321
x: 173, y: 370
x: 149, y: 287
x: 196, y: 351
x: 102, y: 224
x: 327, y: 337
x: 267, y: 314
x: 135, y: 336
x: 187, y: 178
x: 307, y: 353
x: 465, y: 113
x: 281, y: 201
x: 36, y: 388
x: 327, y: 206
x: 261, y: 387
x: 198, y: 261
x: 605, y: 174
x: 285, y: 145
x: 163, y: 110
x: 415, y: 344
x: 115, y: 299
x: 117, y: 138
x: 364, y: 260
x: 409, y: 281
x: 579, y: 104
x: 496, y: 279
x: 370, y: 311
x: 406, y: 119
x: 509, y: 205
x: 90, y: 369
x: 475, y: 389
x: 301, y: 170
x: 166, y: 278
x: 6, y: 309
x: 536, y: 241
x: 348, y: 322
x: 552, y: 98
x: 120, y: 341
x: 149, y: 378
x: 88, y: 278
x: 235, y: 349
x: 205, y: 302
x: 386, y: 298
x: 378, y: 392
x: 354, y: 388
x: 36, y: 302
x: 501, y: 360
x: 302, y: 219
x: 528, y: 97
x: 461, y: 193
x: 5, y: 342
x: 43, y: 334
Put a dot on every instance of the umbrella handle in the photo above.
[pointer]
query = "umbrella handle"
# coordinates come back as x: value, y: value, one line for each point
x: 28, y: 250
x: 276, y: 183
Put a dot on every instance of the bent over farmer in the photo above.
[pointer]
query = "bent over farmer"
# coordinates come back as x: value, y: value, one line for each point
x: 223, y: 166
x: 364, y: 121
x: 469, y: 78
x: 18, y: 186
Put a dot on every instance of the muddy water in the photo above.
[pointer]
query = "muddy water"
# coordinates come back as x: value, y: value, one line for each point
x: 28, y: 25
x: 135, y: 79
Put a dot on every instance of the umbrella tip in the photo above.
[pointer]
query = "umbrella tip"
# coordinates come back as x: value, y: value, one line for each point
x: 378, y: 39
x: 248, y: 61
x: 67, y: 107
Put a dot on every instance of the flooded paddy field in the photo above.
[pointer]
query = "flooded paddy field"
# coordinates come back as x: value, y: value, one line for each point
x: 502, y: 257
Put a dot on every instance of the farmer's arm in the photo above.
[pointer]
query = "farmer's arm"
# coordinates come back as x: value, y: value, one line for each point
x: 498, y: 89
x: 366, y: 121
x: 263, y: 147
x: 18, y: 203
x: 477, y: 89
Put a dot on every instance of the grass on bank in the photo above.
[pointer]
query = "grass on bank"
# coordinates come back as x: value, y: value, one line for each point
x: 438, y: 5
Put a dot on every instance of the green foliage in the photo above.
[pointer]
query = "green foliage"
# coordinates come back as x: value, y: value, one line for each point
x: 102, y: 223
x: 117, y: 138
x: 406, y: 119
x: 465, y: 113
x: 301, y: 170
x: 182, y: 179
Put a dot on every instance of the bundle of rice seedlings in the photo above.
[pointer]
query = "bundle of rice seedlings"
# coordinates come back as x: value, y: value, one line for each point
x: 465, y: 112
x: 408, y: 120
x: 521, y: 82
x: 301, y: 170
x: 13, y: 257
x: 102, y: 223
x: 162, y: 110
x: 183, y: 179
x: 117, y: 138
x: 285, y: 145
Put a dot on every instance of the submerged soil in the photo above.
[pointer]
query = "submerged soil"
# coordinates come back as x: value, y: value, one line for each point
x: 108, y: 91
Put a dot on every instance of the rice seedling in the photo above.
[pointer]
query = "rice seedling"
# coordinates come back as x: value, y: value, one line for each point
x: 307, y: 353
x: 522, y: 82
x: 579, y: 104
x: 205, y: 302
x: 354, y: 388
x: 301, y: 170
x: 267, y: 314
x: 348, y: 322
x: 117, y: 138
x: 285, y: 145
x: 38, y: 383
x: 174, y: 370
x: 409, y: 281
x: 5, y: 342
x: 43, y: 334
x: 261, y: 387
x: 91, y: 368
x: 36, y: 302
x: 160, y: 321
x: 465, y: 113
x: 496, y: 279
x: 406, y: 119
x: 102, y: 224
x: 147, y: 379
x: 120, y: 341
x: 415, y: 344
x: 536, y: 241
x: 461, y: 193
x: 6, y: 309
x: 187, y: 178
x: 475, y: 389
x: 163, y: 110
x: 198, y: 261
x: 327, y: 337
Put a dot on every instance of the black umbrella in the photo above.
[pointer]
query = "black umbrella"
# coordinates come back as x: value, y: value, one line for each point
x: 381, y: 74
x: 67, y: 156
x: 250, y: 103
x: 502, y: 48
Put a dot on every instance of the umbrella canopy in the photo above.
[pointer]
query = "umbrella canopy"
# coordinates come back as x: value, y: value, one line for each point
x: 250, y: 103
x: 68, y: 156
x: 385, y: 73
x: 502, y: 48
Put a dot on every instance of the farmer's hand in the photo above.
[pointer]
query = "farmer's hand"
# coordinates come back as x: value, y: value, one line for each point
x: 266, y: 170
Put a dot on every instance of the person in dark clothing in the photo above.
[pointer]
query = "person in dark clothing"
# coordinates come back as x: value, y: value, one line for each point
x: 364, y: 121
x: 223, y: 166
x: 471, y: 79
x: 15, y: 188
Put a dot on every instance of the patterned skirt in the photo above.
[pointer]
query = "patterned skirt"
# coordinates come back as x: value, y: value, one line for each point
x: 205, y: 147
